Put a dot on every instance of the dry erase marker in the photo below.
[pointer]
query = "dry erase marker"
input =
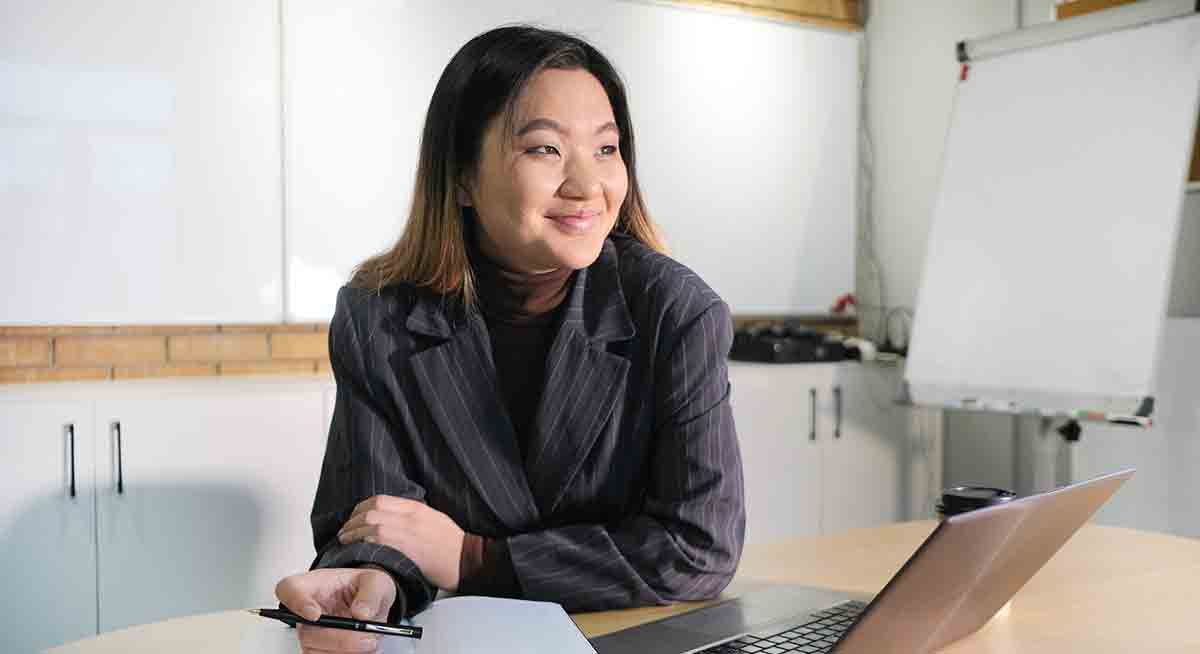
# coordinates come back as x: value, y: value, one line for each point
x: 1113, y: 418
x: 334, y: 622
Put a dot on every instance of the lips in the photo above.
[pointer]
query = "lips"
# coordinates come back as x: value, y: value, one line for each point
x: 575, y: 222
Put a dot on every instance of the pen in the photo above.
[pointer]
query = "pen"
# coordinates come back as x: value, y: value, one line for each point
x: 334, y: 622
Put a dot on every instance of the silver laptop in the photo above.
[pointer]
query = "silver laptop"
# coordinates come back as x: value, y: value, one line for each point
x: 951, y: 586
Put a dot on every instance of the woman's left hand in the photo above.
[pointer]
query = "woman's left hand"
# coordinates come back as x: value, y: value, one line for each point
x: 427, y: 536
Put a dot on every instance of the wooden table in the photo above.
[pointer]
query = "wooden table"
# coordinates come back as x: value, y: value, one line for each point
x: 1108, y: 590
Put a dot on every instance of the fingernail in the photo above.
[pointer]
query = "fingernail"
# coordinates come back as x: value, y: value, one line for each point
x: 361, y: 609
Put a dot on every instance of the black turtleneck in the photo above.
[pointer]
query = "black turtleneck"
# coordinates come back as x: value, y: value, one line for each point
x: 521, y: 312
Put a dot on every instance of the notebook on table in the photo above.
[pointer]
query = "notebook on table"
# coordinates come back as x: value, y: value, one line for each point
x: 459, y: 625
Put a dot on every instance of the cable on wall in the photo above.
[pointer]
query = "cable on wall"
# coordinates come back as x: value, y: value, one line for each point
x: 866, y: 221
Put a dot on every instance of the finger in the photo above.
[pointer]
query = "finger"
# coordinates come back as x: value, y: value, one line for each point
x: 364, y: 505
x: 377, y: 535
x: 372, y: 517
x: 375, y: 502
x: 298, y: 594
x: 376, y: 592
x: 355, y: 521
x: 387, y: 504
x: 319, y: 639
x: 366, y: 534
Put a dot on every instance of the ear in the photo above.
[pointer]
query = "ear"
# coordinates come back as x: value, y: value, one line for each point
x: 461, y: 195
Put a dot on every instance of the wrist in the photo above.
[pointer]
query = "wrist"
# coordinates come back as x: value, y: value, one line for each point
x: 397, y: 610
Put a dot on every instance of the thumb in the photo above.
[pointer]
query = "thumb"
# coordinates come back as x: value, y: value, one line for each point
x: 374, y: 595
x: 296, y: 593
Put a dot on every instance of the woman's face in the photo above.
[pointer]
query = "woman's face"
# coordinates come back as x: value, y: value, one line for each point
x: 548, y: 193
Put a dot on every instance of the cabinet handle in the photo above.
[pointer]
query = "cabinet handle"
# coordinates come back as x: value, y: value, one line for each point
x: 120, y: 472
x: 812, y: 414
x: 837, y: 411
x: 71, y: 437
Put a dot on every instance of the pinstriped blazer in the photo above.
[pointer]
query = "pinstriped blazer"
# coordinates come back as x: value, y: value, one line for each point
x: 630, y: 490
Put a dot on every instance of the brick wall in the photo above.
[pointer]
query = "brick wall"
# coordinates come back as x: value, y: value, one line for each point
x: 44, y: 354
x: 48, y: 354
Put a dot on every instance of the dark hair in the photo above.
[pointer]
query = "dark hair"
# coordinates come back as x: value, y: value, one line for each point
x: 483, y: 82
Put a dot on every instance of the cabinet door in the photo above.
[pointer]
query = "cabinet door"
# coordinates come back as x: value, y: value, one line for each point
x: 781, y: 446
x: 207, y: 505
x: 865, y: 457
x: 47, y: 544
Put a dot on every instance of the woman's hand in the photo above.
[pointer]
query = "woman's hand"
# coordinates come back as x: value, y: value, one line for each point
x: 427, y: 536
x: 362, y: 593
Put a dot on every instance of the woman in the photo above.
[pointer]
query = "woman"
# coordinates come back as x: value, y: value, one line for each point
x: 532, y: 400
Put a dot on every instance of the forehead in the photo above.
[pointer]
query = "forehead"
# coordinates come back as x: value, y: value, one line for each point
x: 565, y: 96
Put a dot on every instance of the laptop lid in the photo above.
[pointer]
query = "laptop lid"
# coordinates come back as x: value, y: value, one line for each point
x: 970, y: 566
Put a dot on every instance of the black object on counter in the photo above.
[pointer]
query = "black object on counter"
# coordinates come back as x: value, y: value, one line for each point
x: 783, y: 343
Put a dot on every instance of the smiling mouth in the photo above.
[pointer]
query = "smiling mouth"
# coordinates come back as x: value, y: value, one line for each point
x: 575, y: 223
x: 578, y: 215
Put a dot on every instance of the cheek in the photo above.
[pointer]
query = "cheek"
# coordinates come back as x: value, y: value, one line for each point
x: 534, y: 187
x: 616, y: 186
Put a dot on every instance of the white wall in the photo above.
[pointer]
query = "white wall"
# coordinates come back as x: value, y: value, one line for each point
x: 912, y: 74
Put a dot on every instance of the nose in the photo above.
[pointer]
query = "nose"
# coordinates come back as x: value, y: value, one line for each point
x: 581, y: 180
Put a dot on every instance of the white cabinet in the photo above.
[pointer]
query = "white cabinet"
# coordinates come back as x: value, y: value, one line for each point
x: 775, y: 411
x: 192, y: 497
x: 140, y: 162
x: 824, y: 447
x: 47, y: 535
x: 207, y: 506
x: 865, y: 458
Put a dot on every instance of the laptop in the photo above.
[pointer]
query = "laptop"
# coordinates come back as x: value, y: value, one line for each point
x: 968, y: 568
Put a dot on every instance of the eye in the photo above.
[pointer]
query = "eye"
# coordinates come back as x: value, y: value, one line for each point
x: 608, y: 150
x: 542, y: 149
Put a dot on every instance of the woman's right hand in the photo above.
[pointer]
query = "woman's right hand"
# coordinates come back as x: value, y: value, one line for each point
x: 361, y: 593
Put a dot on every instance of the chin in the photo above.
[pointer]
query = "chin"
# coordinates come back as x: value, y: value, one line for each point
x: 578, y: 254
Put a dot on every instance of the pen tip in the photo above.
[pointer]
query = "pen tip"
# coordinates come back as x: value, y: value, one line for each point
x: 254, y: 611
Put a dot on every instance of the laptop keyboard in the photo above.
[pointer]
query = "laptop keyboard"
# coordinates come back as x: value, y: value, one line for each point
x: 816, y: 635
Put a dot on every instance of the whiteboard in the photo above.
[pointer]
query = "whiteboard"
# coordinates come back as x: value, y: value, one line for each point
x: 140, y: 150
x: 746, y: 136
x: 1046, y: 279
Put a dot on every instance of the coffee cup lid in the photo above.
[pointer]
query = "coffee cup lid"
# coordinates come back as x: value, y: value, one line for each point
x: 960, y: 499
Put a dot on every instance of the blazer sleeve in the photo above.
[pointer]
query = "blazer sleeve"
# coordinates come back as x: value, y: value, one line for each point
x: 686, y: 542
x: 362, y: 459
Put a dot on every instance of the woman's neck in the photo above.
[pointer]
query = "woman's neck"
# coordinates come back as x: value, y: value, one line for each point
x: 516, y: 297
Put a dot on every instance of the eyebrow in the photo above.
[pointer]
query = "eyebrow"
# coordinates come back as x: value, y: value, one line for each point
x: 546, y: 123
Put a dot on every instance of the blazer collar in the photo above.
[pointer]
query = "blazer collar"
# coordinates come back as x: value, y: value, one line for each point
x: 596, y: 306
x: 434, y: 315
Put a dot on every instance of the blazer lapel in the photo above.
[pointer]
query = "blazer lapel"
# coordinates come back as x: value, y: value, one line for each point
x: 458, y: 382
x: 584, y: 382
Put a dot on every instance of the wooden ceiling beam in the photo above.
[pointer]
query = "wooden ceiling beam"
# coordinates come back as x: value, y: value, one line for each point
x: 838, y: 14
